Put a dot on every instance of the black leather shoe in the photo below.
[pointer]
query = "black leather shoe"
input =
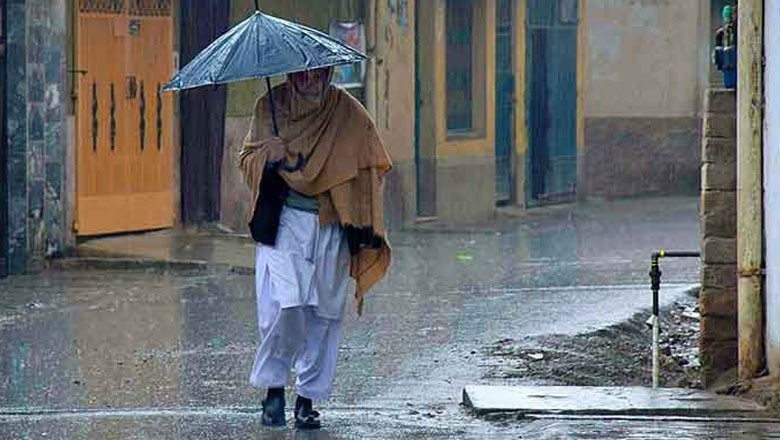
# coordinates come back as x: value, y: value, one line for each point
x: 305, y: 416
x: 273, y: 408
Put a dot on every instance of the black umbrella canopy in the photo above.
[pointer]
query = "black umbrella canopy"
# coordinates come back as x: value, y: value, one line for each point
x: 262, y: 46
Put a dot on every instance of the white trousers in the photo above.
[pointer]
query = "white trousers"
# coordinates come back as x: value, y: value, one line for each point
x: 301, y: 291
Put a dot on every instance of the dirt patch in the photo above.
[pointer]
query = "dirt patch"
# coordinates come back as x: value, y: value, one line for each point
x: 619, y: 355
x: 764, y: 390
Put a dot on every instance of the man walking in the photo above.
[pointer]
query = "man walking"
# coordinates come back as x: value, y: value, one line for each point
x: 317, y: 222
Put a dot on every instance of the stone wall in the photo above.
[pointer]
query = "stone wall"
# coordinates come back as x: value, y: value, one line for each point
x: 36, y: 93
x: 717, y: 303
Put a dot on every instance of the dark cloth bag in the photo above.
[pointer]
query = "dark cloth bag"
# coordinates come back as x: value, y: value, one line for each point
x: 264, y: 225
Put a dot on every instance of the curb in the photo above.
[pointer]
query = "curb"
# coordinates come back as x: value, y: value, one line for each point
x: 97, y: 263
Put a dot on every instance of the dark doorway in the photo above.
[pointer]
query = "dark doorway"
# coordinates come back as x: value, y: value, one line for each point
x: 505, y: 109
x: 3, y: 153
x: 202, y: 115
x: 552, y: 99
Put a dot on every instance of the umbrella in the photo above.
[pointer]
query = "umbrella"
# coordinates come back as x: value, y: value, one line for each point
x: 263, y: 46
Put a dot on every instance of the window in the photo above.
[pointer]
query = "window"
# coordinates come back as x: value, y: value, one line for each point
x: 460, y: 65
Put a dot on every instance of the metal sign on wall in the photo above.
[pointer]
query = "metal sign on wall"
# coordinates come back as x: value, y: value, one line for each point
x: 354, y: 35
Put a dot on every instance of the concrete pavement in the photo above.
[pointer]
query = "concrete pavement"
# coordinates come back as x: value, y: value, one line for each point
x: 163, y: 350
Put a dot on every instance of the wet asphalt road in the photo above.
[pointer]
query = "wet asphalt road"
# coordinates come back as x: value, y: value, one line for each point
x: 152, y: 354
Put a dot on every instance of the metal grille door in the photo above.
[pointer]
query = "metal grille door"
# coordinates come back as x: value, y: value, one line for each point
x: 505, y: 87
x: 552, y: 96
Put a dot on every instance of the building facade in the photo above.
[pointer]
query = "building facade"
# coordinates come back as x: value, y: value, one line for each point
x: 481, y: 103
x: 523, y: 102
x: 88, y: 142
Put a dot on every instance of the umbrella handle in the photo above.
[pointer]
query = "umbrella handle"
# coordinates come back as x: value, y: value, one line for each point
x: 272, y: 101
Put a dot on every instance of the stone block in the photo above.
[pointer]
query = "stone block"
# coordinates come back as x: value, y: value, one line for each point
x: 719, y: 328
x: 36, y: 83
x: 719, y: 276
x: 718, y: 302
x: 716, y: 359
x: 720, y: 151
x: 53, y: 63
x: 719, y: 214
x: 37, y: 161
x: 35, y: 36
x: 54, y: 141
x: 721, y: 101
x: 717, y: 177
x: 37, y: 124
x: 16, y: 21
x: 720, y: 126
x: 719, y: 250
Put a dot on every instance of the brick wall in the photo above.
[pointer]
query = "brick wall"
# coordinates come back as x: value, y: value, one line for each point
x: 718, y: 341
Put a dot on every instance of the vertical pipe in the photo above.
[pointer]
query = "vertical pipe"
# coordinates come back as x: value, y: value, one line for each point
x: 749, y: 188
x: 656, y: 351
x: 772, y: 187
x: 655, y: 286
x: 272, y: 102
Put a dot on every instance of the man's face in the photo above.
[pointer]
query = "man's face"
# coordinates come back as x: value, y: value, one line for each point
x: 310, y: 83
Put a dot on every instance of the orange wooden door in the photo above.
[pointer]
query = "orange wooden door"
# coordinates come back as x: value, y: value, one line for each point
x: 124, y: 158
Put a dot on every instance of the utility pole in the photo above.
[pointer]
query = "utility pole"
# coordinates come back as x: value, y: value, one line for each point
x: 750, y: 313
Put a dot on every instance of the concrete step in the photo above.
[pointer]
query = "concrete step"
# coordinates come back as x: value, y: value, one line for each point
x: 603, y: 401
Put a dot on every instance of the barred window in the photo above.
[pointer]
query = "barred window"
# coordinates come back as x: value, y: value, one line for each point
x: 460, y: 64
x: 102, y: 6
x: 148, y: 8
x: 153, y: 8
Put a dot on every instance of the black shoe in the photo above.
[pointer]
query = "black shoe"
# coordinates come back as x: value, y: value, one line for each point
x: 273, y: 408
x: 305, y: 416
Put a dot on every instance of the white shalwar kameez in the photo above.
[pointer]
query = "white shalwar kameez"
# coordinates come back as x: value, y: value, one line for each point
x: 302, y: 286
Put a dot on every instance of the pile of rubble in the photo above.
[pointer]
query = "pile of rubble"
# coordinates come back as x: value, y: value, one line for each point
x: 619, y: 355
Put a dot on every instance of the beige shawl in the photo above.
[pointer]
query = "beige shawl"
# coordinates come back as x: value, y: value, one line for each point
x: 345, y: 168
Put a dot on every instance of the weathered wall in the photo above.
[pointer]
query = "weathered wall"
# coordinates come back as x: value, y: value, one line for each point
x: 772, y: 185
x: 391, y: 77
x: 37, y: 89
x: 464, y: 183
x: 718, y: 343
x: 235, y: 194
x: 647, y: 66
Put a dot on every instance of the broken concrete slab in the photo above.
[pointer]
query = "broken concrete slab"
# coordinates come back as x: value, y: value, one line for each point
x: 602, y: 401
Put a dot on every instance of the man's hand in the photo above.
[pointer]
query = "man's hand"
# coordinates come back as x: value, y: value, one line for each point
x: 277, y: 150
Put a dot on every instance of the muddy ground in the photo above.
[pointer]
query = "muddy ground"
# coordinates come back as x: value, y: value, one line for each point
x: 619, y: 355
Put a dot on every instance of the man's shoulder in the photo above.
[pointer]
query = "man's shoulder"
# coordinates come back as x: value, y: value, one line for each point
x: 347, y: 99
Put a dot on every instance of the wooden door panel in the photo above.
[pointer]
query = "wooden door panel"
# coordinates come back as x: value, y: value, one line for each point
x: 124, y: 175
